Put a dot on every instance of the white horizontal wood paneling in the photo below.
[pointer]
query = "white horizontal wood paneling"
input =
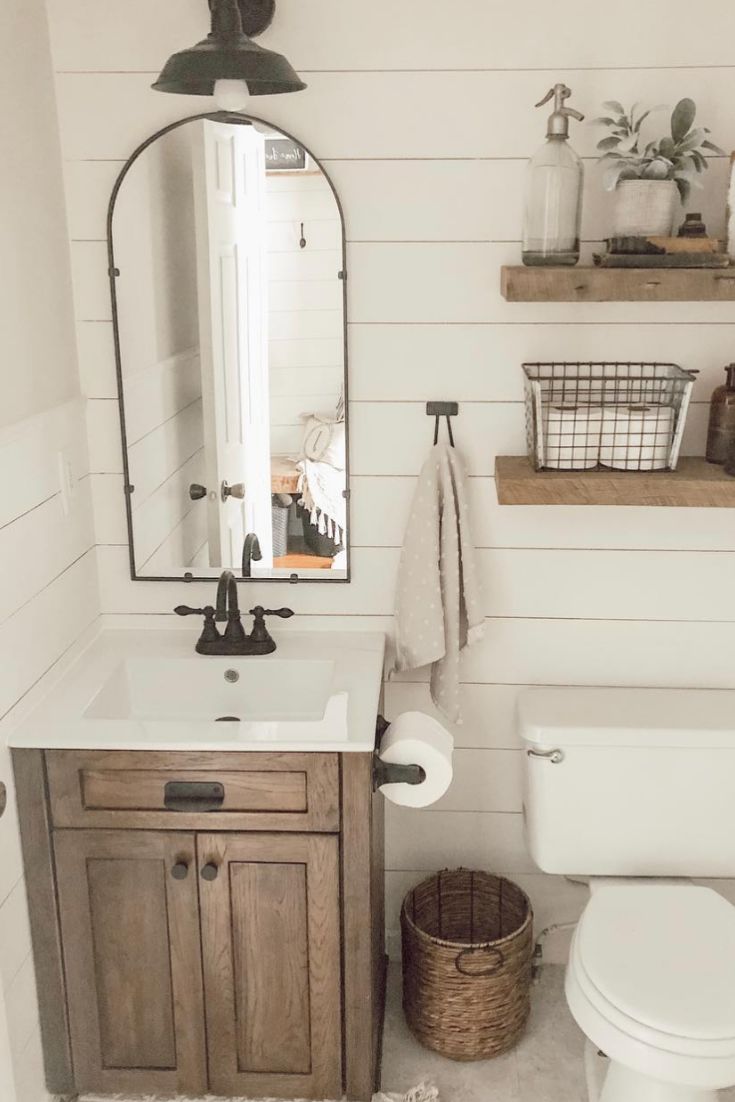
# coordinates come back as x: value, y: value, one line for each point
x: 473, y: 199
x: 347, y: 34
x: 48, y: 596
x: 157, y: 393
x: 158, y: 517
x: 482, y: 362
x: 424, y: 123
x: 433, y: 839
x: 554, y: 585
x: 398, y: 200
x: 402, y: 115
x: 29, y: 451
x: 164, y: 451
x: 460, y: 283
x: 381, y: 506
x: 391, y: 438
x: 44, y: 627
x: 96, y: 353
x: 416, y: 361
x: 416, y: 282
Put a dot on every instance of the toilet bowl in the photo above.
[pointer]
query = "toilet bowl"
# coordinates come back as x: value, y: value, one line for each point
x: 651, y: 983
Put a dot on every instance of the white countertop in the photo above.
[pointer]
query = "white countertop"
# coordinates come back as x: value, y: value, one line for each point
x: 54, y: 717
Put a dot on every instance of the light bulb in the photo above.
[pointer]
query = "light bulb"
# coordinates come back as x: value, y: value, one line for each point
x: 231, y: 95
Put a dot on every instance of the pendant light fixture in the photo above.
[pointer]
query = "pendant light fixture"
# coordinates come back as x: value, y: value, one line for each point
x: 227, y: 64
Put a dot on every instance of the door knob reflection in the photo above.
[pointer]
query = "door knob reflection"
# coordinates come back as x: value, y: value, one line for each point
x: 236, y: 490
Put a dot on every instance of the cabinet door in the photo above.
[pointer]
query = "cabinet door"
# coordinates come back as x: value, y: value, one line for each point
x: 130, y: 933
x: 271, y: 951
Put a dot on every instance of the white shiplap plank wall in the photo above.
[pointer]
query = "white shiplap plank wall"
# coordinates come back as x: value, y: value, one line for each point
x: 48, y: 597
x: 425, y: 121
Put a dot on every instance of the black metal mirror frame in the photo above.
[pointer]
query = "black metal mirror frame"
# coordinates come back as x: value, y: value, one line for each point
x: 114, y: 272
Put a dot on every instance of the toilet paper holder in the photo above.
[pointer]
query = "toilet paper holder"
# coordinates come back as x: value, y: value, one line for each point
x: 385, y: 772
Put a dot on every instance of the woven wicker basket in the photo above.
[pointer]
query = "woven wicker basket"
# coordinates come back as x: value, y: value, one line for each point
x: 467, y: 953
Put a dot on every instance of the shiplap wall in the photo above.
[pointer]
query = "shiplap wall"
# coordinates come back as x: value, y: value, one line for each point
x: 155, y: 235
x: 48, y: 597
x: 48, y: 583
x: 423, y: 114
x: 48, y: 587
x: 306, y: 373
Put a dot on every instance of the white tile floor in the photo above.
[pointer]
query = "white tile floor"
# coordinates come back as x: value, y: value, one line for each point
x: 547, y: 1065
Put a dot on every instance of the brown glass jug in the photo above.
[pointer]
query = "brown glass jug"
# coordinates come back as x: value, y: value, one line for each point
x: 721, y: 434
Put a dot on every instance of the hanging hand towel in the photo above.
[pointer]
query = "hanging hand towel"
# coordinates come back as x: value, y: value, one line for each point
x: 438, y: 607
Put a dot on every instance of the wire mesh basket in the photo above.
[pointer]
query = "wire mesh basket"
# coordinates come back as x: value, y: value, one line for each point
x: 620, y: 416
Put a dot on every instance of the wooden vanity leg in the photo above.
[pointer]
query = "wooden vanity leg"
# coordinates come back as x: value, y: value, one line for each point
x: 35, y: 831
x: 363, y: 909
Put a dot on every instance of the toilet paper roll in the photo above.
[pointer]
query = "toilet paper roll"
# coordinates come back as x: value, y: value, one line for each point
x: 415, y: 738
x: 572, y: 437
x: 637, y: 438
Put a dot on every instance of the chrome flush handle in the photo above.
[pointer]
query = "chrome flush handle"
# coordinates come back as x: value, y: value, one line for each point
x: 554, y: 756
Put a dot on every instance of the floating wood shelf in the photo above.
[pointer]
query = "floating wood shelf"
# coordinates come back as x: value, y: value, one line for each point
x: 589, y: 284
x: 695, y: 483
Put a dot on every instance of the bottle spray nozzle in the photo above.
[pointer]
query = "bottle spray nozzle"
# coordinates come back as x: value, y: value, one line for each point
x: 559, y: 119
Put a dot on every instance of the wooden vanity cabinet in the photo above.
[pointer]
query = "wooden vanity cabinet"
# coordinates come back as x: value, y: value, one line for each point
x: 185, y: 951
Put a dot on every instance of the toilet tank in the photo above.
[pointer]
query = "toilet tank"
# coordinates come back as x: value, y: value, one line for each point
x: 630, y: 782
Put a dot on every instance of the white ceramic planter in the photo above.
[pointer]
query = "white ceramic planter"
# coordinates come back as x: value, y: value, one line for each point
x: 644, y: 207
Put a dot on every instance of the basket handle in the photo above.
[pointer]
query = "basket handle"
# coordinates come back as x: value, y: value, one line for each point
x: 490, y: 971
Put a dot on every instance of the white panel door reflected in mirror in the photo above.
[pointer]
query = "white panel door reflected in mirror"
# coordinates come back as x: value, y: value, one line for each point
x: 228, y: 245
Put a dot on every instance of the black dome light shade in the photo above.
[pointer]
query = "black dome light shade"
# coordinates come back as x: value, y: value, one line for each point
x: 227, y: 54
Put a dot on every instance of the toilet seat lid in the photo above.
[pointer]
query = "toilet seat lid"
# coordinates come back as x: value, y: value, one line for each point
x: 663, y: 955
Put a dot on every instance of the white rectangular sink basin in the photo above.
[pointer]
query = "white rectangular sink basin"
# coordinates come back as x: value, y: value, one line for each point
x: 147, y: 690
x: 195, y: 690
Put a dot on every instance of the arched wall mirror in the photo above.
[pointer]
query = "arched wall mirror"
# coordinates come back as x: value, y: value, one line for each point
x: 228, y: 280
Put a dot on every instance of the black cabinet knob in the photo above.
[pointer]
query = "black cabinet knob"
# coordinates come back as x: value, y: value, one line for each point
x: 180, y: 871
x: 210, y: 872
x: 197, y: 492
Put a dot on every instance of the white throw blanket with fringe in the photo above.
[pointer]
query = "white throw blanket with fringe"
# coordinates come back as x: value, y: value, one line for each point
x: 424, y: 1092
x: 322, y: 493
x: 438, y: 604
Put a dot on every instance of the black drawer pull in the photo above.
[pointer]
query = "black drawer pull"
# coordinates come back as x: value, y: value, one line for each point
x: 210, y: 872
x: 180, y: 871
x: 193, y: 796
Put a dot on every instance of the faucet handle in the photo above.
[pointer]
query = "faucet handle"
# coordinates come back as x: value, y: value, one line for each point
x: 259, y: 635
x: 209, y: 631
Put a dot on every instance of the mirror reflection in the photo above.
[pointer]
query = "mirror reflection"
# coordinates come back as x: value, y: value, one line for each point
x: 228, y: 246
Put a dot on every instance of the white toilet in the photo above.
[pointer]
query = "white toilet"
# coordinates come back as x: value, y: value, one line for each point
x: 635, y: 789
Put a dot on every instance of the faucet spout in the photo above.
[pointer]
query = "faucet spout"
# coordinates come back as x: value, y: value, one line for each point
x: 226, y: 596
x: 250, y: 553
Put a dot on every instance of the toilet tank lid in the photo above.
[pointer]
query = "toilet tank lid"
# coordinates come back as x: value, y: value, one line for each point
x: 694, y: 718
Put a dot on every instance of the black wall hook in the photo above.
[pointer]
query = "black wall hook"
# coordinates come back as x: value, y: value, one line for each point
x: 442, y: 409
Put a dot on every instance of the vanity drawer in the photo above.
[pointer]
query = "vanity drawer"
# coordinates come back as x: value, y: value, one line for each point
x: 152, y: 790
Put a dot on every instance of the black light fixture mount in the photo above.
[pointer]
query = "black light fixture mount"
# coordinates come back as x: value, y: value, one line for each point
x: 256, y: 15
x: 228, y: 53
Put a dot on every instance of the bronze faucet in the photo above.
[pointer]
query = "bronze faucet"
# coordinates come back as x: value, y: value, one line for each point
x: 250, y: 553
x: 234, y: 641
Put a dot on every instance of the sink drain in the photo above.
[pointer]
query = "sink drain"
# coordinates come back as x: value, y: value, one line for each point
x: 232, y: 676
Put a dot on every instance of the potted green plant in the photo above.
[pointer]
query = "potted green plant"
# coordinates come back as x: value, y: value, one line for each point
x: 649, y: 180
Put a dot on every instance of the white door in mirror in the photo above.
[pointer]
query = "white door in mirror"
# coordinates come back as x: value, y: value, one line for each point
x: 229, y: 180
